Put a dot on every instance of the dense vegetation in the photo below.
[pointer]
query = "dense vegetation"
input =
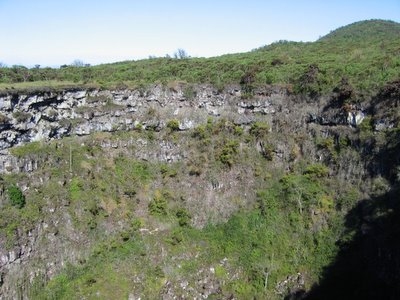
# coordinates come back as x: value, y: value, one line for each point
x: 291, y: 227
x: 365, y: 53
x: 297, y: 226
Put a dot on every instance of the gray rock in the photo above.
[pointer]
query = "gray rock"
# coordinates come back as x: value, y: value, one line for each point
x: 355, y: 118
x: 186, y: 124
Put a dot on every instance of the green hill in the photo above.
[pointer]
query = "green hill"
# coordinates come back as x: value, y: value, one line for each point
x: 366, y: 53
x: 365, y: 31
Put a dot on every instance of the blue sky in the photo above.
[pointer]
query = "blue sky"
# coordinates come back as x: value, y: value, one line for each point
x: 55, y: 32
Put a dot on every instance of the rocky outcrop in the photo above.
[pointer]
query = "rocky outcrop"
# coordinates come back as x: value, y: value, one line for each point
x: 49, y: 115
x: 52, y: 115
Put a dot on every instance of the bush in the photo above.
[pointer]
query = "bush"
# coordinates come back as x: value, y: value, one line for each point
x: 259, y: 129
x: 228, y: 153
x: 173, y: 125
x: 189, y: 93
x: 200, y: 132
x: 16, y: 196
x: 158, y: 205
x: 317, y: 171
x: 238, y: 130
x: 183, y: 217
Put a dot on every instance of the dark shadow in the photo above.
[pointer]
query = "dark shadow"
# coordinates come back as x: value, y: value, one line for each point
x: 368, y: 263
x: 367, y: 266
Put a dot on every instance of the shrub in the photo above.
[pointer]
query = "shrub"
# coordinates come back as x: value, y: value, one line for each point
x: 238, y: 130
x: 183, y: 217
x: 189, y: 93
x: 247, y: 83
x: 167, y: 171
x: 267, y: 150
x: 317, y: 171
x: 16, y: 196
x: 328, y: 144
x: 173, y: 125
x: 309, y: 82
x: 228, y: 153
x: 259, y: 129
x: 158, y: 205
x: 366, y: 125
x: 200, y: 132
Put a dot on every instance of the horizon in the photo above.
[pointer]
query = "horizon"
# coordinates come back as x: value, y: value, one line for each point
x: 53, y: 34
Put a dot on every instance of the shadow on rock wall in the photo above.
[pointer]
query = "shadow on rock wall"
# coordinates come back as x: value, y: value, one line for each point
x: 367, y: 266
x: 368, y: 263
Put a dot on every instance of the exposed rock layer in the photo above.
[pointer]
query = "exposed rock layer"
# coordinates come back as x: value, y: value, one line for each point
x: 44, y: 116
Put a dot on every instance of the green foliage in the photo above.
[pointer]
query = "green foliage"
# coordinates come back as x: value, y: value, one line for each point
x: 291, y: 225
x: 27, y: 149
x: 238, y: 130
x: 183, y: 217
x: 348, y: 199
x: 228, y: 153
x: 274, y: 238
x: 366, y: 125
x: 259, y: 129
x: 315, y: 171
x: 328, y: 144
x: 307, y: 191
x: 200, y: 132
x: 16, y: 196
x: 247, y: 83
x: 310, y: 81
x: 267, y: 150
x: 173, y: 125
x: 132, y: 170
x: 357, y: 32
x: 264, y: 241
x: 75, y: 189
x: 362, y: 52
x: 168, y: 171
x: 189, y: 92
x: 159, y: 204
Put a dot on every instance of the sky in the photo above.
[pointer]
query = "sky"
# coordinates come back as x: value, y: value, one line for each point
x: 57, y: 32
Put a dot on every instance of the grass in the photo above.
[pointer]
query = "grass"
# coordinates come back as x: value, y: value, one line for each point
x: 39, y: 85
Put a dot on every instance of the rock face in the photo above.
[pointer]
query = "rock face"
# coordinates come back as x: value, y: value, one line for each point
x: 44, y: 116
x: 52, y: 115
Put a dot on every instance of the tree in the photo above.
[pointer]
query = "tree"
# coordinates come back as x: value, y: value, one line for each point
x: 181, y: 54
x: 78, y: 63
x: 20, y: 73
x: 16, y: 196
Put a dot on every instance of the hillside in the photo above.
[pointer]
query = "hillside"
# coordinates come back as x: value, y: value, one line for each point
x: 366, y: 53
x: 272, y: 174
x: 365, y: 32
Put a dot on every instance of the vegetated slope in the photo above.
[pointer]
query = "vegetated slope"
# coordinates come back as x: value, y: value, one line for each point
x: 278, y: 204
x: 130, y: 225
x: 366, y: 53
x: 364, y: 31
